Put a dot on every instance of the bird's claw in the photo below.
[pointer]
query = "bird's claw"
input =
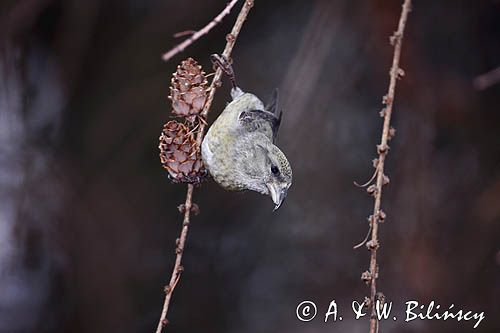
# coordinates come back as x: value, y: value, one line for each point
x: 222, y: 62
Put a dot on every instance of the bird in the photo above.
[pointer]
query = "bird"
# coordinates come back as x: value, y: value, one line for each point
x: 239, y: 149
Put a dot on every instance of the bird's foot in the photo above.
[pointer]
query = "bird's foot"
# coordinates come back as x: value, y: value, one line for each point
x: 222, y: 62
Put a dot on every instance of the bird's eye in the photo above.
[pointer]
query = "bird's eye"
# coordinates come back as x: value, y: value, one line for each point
x: 275, y: 170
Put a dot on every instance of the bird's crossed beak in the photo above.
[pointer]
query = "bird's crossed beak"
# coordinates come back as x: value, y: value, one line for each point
x: 278, y: 194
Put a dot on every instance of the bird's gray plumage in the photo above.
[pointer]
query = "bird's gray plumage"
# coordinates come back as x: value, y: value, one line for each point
x: 239, y: 149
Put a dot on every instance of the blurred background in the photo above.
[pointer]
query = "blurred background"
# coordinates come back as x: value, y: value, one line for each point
x: 88, y: 218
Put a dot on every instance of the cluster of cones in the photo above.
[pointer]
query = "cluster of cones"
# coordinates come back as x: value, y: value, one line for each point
x: 179, y: 154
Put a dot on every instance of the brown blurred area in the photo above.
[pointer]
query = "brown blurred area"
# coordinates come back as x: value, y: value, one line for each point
x: 88, y: 218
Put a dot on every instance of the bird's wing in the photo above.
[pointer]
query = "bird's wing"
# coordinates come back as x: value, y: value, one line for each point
x: 261, y: 121
x: 266, y: 121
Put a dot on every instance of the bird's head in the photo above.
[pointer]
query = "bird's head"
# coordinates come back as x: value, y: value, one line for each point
x: 273, y: 174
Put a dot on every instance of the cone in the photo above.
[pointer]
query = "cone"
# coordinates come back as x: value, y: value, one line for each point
x: 188, y: 90
x: 178, y: 154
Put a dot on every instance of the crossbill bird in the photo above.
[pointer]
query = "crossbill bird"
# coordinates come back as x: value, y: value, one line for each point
x: 239, y: 148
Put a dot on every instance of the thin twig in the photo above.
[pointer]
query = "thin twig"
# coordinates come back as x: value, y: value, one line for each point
x: 369, y: 181
x: 181, y: 242
x: 184, y: 33
x: 382, y: 149
x: 367, y: 237
x: 487, y: 79
x: 196, y: 35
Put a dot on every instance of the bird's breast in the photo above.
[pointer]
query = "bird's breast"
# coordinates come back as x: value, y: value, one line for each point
x: 219, y: 153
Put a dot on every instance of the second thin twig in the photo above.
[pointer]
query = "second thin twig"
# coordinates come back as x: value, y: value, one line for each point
x: 381, y: 179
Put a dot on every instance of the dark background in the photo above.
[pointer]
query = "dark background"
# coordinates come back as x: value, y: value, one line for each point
x: 88, y: 218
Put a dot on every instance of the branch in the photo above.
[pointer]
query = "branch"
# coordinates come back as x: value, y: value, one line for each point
x: 188, y: 204
x: 196, y: 35
x: 370, y: 277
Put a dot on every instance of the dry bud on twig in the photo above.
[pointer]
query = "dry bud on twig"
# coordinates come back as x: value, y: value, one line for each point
x: 366, y: 277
